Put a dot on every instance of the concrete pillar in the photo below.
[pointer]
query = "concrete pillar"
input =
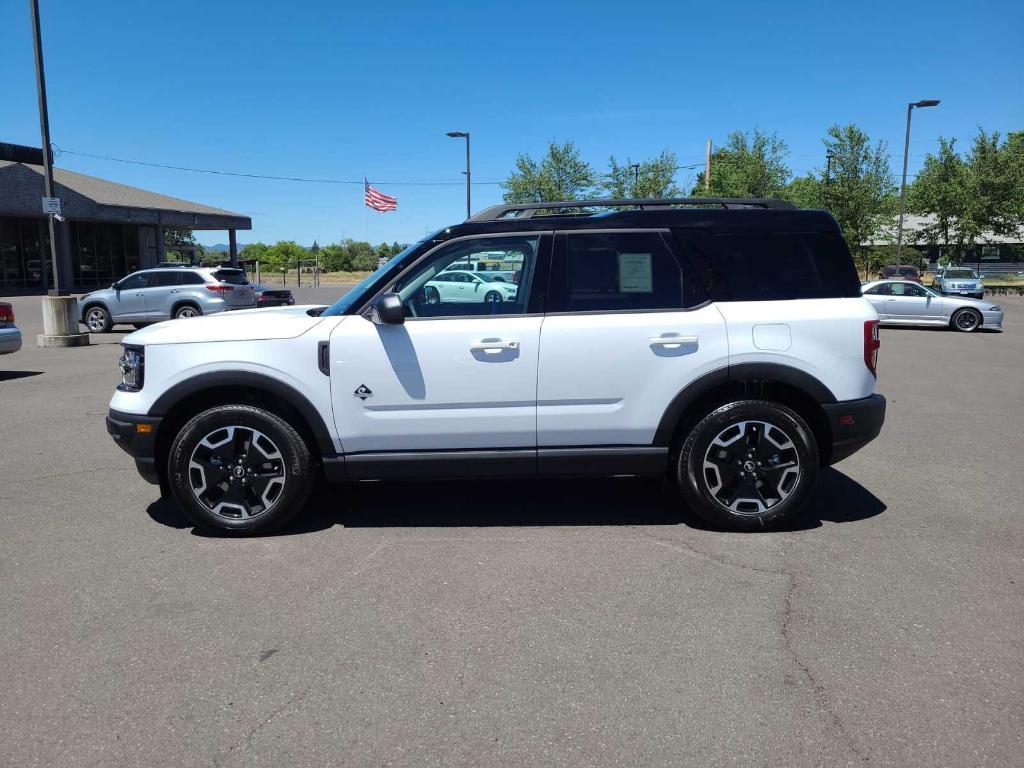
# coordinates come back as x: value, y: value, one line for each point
x: 60, y: 323
x: 233, y: 247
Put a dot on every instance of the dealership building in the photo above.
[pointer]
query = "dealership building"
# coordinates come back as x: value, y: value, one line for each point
x: 111, y: 229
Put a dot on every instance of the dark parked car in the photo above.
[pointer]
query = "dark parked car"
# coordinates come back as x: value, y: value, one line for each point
x: 273, y: 297
x: 902, y: 272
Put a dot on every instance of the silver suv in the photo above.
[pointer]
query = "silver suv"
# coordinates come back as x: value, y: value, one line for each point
x: 959, y: 281
x: 152, y: 295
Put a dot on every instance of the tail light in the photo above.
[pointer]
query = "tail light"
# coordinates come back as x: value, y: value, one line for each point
x: 217, y: 288
x: 871, y: 345
x: 6, y: 315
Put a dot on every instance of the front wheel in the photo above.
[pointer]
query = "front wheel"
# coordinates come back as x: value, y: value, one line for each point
x: 966, y: 320
x: 98, y: 320
x: 239, y: 469
x: 748, y: 465
x: 493, y: 297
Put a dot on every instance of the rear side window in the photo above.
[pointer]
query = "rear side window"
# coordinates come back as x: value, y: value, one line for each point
x: 233, y: 276
x: 768, y: 266
x: 616, y: 271
x: 163, y: 279
x: 190, y: 278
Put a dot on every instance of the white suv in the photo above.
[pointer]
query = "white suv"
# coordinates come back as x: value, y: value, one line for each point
x: 723, y: 342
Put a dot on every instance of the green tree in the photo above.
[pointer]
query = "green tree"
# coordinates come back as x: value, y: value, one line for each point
x: 807, y: 192
x: 284, y: 254
x: 941, y: 189
x: 561, y: 175
x: 749, y: 165
x: 255, y: 251
x: 861, y: 191
x: 649, y: 178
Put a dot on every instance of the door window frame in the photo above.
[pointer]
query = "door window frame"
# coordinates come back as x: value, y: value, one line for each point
x: 538, y: 286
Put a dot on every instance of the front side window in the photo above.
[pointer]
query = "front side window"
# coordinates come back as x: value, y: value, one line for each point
x: 907, y: 289
x: 615, y: 271
x: 430, y: 290
x: 136, y: 281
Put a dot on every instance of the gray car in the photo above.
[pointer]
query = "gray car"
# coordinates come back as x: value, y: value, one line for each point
x: 959, y: 281
x: 151, y: 295
x: 900, y: 302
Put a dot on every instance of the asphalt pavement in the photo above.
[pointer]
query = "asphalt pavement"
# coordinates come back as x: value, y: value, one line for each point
x: 521, y: 623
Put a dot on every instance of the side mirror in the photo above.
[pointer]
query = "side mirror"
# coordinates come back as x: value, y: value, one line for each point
x: 389, y: 310
x: 113, y: 286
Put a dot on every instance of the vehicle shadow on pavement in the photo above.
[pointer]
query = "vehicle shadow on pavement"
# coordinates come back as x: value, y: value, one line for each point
x: 11, y: 375
x: 530, y: 502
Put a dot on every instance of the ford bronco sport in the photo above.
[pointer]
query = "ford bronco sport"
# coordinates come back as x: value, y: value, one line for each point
x: 722, y: 342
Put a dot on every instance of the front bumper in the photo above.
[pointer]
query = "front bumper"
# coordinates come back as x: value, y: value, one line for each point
x: 992, y: 320
x: 136, y: 435
x: 854, y: 424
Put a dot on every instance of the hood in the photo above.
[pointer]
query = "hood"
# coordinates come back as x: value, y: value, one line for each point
x: 242, y: 325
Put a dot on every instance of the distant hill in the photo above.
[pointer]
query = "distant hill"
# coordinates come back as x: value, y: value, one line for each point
x: 222, y: 247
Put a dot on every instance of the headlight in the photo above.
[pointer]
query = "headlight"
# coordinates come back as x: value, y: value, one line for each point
x: 133, y: 365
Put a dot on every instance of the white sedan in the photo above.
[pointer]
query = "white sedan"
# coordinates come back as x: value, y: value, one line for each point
x: 901, y: 302
x: 459, y: 287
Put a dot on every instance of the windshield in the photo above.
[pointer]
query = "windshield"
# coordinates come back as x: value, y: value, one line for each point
x: 961, y: 273
x: 344, y: 304
x: 908, y: 272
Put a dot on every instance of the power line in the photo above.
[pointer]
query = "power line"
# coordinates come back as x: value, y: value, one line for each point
x: 58, y: 151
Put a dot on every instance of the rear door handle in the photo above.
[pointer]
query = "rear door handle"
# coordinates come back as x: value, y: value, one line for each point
x: 671, y: 340
x: 493, y: 345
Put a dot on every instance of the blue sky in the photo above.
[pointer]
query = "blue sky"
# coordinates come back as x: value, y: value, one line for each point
x: 339, y: 89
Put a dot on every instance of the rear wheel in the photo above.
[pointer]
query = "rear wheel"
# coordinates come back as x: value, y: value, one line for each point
x: 98, y: 320
x: 239, y: 469
x: 187, y: 310
x: 966, y: 320
x: 748, y: 465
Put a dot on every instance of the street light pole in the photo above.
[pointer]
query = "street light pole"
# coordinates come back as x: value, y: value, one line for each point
x: 464, y: 135
x: 903, y: 183
x: 44, y: 130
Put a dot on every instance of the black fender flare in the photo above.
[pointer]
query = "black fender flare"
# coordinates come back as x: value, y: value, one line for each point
x: 249, y: 380
x: 720, y: 377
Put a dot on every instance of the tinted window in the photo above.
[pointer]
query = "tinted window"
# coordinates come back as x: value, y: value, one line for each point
x: 608, y: 272
x: 233, y: 276
x: 190, y: 278
x: 881, y: 289
x: 906, y: 289
x: 163, y: 279
x: 763, y: 266
x: 134, y: 282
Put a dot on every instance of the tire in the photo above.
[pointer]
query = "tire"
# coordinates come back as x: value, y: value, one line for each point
x: 493, y: 297
x: 263, y: 492
x: 431, y: 295
x: 186, y: 311
x: 966, y: 320
x: 97, y: 319
x: 731, y: 441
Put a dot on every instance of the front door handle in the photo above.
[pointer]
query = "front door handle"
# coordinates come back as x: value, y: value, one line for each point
x: 493, y: 345
x: 672, y: 340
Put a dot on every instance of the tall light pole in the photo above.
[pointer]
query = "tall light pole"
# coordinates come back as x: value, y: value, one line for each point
x: 44, y: 130
x: 903, y: 184
x: 464, y: 135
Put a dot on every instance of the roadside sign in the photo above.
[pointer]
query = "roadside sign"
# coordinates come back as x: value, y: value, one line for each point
x: 51, y: 205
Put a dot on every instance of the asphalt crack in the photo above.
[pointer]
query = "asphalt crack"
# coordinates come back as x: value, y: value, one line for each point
x: 786, y: 628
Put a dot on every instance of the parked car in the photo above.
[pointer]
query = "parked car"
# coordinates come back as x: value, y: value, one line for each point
x: 10, y: 336
x: 151, y: 295
x: 902, y: 272
x: 900, y: 302
x: 728, y: 349
x: 960, y: 281
x: 272, y: 297
x: 457, y: 286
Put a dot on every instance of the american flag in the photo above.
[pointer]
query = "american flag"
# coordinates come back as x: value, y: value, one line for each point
x: 378, y: 200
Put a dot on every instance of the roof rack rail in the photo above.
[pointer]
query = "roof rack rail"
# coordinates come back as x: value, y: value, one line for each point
x: 527, y: 210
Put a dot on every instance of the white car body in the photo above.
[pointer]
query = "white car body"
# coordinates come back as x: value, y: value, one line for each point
x: 468, y: 392
x: 461, y: 286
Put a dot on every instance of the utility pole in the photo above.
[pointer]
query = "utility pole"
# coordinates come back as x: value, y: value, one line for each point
x: 636, y: 176
x: 464, y: 135
x: 44, y: 130
x: 707, y: 169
